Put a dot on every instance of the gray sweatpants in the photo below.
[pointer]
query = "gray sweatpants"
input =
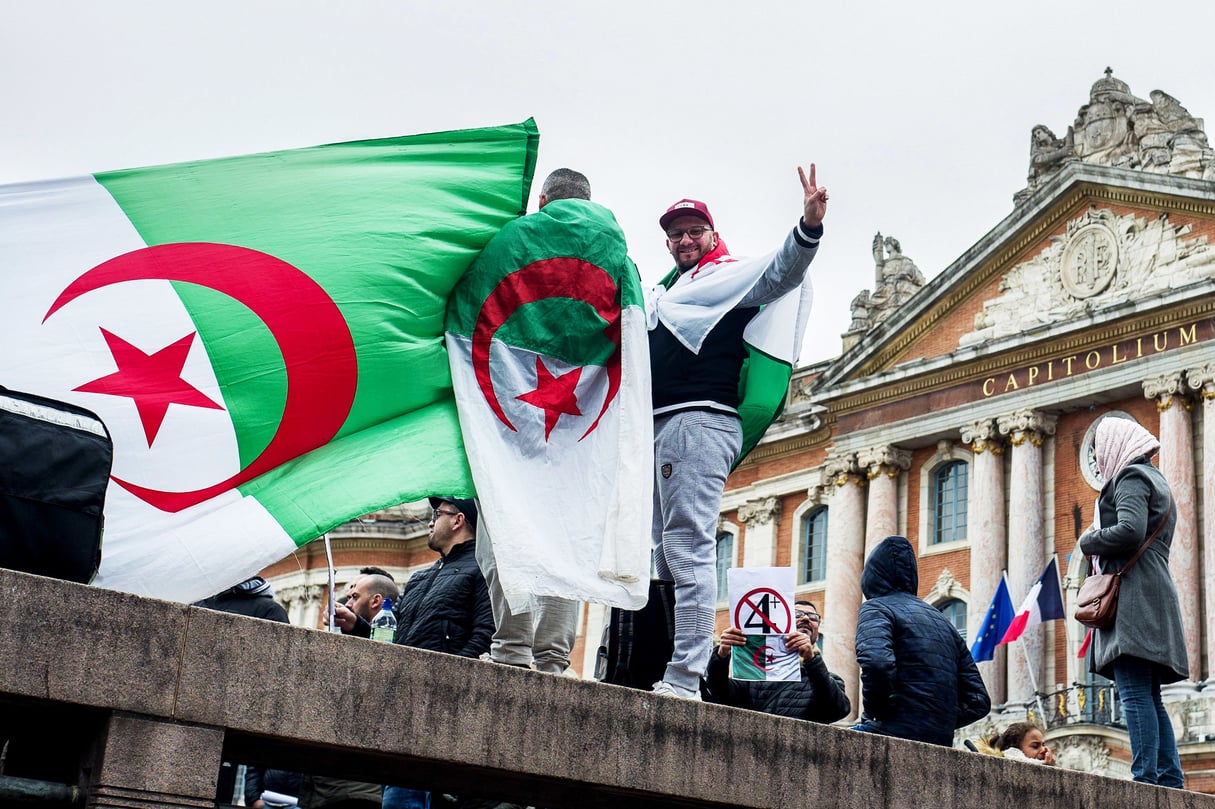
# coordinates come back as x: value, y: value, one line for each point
x: 541, y: 637
x: 693, y: 452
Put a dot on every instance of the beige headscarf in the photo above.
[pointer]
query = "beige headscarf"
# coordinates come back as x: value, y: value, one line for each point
x: 1118, y: 442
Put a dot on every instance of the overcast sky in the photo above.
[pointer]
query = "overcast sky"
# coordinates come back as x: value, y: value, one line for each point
x: 917, y: 114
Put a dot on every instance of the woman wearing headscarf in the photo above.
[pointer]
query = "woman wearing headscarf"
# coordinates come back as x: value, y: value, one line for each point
x: 1145, y: 646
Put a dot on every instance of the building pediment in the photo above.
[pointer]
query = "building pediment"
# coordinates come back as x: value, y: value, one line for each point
x: 1090, y: 243
x: 1101, y: 260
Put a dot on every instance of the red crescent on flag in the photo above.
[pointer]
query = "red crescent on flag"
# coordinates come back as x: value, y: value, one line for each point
x: 317, y: 348
x: 562, y: 277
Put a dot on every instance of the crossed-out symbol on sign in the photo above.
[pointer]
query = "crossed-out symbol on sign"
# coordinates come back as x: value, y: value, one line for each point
x: 765, y: 610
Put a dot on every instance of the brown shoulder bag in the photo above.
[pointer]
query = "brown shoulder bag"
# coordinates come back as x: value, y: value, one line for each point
x: 1097, y: 602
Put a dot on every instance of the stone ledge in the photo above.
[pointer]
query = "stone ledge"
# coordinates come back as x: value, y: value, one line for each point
x: 309, y: 700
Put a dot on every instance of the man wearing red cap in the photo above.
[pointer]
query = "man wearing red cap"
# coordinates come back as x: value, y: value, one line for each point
x: 697, y: 319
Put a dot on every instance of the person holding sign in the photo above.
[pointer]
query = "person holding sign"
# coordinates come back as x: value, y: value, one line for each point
x: 817, y: 697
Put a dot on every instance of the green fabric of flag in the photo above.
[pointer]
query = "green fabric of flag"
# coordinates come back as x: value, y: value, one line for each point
x: 307, y: 288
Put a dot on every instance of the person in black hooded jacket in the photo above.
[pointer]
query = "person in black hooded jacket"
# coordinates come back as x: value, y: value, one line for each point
x: 252, y: 597
x: 918, y: 680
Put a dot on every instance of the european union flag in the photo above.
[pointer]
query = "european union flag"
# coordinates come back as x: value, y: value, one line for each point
x: 995, y: 624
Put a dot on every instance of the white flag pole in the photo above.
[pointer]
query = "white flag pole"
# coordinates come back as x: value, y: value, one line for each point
x: 333, y: 627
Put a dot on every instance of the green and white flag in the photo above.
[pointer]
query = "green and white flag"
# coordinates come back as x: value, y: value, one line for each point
x: 262, y: 335
x: 550, y: 363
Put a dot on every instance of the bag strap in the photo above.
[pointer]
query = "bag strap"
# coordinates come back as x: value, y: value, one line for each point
x: 1155, y: 533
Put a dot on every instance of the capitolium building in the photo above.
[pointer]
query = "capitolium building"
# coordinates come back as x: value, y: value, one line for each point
x: 960, y: 413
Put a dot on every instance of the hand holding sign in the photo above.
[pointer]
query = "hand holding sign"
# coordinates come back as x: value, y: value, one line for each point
x: 761, y: 611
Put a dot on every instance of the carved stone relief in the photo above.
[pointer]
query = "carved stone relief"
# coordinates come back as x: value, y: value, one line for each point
x: 759, y: 511
x: 1117, y: 128
x: 945, y: 588
x: 1102, y: 259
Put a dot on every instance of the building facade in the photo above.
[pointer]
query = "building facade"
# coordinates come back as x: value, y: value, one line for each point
x: 961, y: 415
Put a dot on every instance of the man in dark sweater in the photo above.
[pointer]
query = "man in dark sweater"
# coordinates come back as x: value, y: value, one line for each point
x: 818, y: 697
x: 697, y: 319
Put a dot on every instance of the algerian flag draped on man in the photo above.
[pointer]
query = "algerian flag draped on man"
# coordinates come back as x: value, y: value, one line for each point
x: 548, y: 349
x: 262, y: 335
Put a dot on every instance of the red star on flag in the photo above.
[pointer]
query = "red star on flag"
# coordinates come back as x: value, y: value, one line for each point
x: 153, y: 381
x: 554, y: 395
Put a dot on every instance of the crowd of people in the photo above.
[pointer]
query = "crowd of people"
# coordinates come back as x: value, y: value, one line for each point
x: 918, y: 679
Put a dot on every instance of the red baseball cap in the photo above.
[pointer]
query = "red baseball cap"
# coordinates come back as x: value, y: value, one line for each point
x: 686, y: 207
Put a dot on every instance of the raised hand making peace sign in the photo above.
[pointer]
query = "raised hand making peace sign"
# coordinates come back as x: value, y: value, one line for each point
x: 816, y: 199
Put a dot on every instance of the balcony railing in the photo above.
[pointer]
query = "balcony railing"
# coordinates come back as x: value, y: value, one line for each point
x: 1090, y: 704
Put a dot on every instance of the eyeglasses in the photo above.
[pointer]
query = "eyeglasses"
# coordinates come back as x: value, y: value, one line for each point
x: 809, y: 616
x: 434, y: 515
x: 676, y: 234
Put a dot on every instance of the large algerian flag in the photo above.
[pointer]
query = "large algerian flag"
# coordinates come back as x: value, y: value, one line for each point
x: 262, y: 335
x: 550, y: 363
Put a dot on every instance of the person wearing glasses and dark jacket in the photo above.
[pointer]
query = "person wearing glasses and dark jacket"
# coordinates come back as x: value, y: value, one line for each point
x: 918, y: 680
x: 818, y: 697
x: 444, y: 608
x: 702, y: 318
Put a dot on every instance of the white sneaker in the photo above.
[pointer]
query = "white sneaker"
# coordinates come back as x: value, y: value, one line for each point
x: 665, y: 689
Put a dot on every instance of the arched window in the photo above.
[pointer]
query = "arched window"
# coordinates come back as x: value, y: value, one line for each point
x: 949, y: 502
x: 814, y: 546
x: 725, y: 561
x: 955, y: 611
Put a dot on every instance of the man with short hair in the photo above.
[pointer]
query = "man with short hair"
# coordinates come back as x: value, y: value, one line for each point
x: 365, y: 598
x: 542, y: 635
x: 818, y: 697
x: 697, y: 320
x: 564, y: 184
x: 444, y: 608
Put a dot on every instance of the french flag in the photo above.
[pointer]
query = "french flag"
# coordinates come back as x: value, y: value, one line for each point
x: 1044, y: 603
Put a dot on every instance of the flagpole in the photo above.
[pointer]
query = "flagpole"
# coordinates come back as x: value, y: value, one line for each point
x: 333, y: 627
x: 1029, y: 668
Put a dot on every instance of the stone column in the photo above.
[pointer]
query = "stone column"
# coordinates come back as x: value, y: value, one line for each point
x: 844, y: 485
x: 882, y: 465
x: 987, y: 530
x: 139, y: 761
x: 303, y: 603
x: 762, y: 516
x: 1027, y: 431
x: 1202, y: 380
x: 1177, y: 464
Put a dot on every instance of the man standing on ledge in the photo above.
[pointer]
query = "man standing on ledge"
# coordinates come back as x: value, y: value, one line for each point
x: 697, y: 319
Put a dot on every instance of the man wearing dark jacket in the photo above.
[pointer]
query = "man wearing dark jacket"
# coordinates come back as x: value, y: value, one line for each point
x: 818, y: 697
x: 444, y: 608
x: 918, y: 680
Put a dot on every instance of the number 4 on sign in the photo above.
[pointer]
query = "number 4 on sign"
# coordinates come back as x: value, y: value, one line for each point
x: 761, y: 605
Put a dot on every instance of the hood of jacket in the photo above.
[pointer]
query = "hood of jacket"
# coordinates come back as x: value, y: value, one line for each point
x: 251, y: 588
x: 891, y: 568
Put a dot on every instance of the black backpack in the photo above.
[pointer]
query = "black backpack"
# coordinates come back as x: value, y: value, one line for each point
x: 637, y: 645
x: 55, y: 461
